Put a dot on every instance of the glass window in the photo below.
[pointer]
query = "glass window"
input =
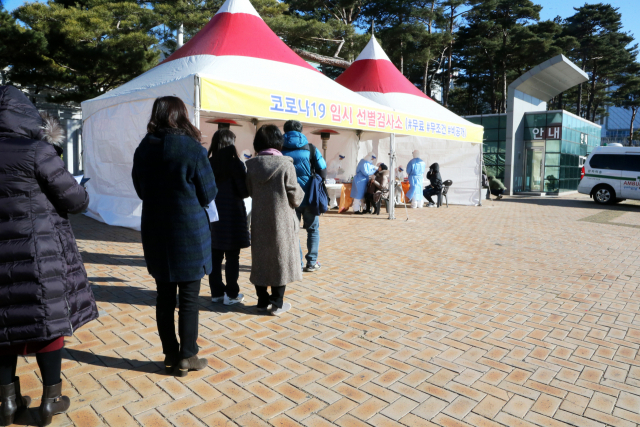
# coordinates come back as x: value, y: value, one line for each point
x: 503, y: 121
x: 475, y: 120
x: 551, y: 173
x: 491, y: 134
x: 554, y: 119
x: 553, y: 146
x: 491, y: 122
x: 502, y: 135
x: 491, y: 146
x: 552, y: 159
x: 490, y: 159
x: 502, y: 146
x: 529, y: 134
x: 608, y: 161
x: 536, y: 120
x: 632, y: 162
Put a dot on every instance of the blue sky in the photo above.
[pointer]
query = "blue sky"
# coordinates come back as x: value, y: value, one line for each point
x: 630, y: 10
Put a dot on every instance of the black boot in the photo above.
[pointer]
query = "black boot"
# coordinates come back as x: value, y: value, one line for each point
x: 191, y: 364
x: 170, y: 362
x: 12, y: 401
x: 377, y: 207
x: 53, y: 403
x: 368, y: 207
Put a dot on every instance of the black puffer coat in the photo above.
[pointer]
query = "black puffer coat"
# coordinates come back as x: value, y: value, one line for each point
x: 231, y: 231
x: 434, y: 176
x: 44, y: 292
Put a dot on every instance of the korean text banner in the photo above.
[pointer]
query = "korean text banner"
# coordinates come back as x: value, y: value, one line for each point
x: 261, y: 103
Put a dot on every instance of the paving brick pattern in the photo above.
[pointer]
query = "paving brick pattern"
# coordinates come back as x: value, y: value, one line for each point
x: 523, y: 312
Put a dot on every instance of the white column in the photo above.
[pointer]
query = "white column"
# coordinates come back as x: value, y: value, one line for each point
x: 392, y: 176
x: 180, y: 36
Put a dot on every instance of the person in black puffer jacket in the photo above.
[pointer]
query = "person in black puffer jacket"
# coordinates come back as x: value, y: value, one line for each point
x: 44, y: 291
x: 436, y: 184
x: 230, y: 233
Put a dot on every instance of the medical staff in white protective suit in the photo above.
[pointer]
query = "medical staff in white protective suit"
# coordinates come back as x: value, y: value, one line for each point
x: 400, y: 176
x: 335, y: 170
x: 415, y: 169
x: 365, y: 169
x: 246, y: 155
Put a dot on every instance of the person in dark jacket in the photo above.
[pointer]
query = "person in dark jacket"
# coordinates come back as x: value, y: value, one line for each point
x: 436, y: 184
x: 44, y: 291
x: 173, y: 178
x: 496, y: 186
x: 296, y: 146
x: 230, y: 233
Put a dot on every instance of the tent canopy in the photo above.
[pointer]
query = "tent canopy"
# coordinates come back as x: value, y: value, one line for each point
x: 375, y: 77
x: 437, y: 133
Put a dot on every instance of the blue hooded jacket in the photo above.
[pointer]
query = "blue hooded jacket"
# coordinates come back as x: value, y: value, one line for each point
x: 293, y: 147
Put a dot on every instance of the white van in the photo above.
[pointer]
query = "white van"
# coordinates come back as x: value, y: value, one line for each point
x: 611, y: 174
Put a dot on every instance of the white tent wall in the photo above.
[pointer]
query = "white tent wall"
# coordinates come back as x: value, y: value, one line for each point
x: 111, y: 136
x: 459, y: 161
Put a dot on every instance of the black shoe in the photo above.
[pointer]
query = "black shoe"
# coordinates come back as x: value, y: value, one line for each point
x: 12, y: 401
x: 53, y: 403
x: 191, y: 364
x: 358, y: 213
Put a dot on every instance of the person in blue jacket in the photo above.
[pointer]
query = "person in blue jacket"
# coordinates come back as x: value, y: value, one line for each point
x: 296, y: 146
x: 415, y: 169
x: 366, y: 168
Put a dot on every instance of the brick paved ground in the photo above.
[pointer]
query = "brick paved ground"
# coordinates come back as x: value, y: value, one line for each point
x: 523, y: 312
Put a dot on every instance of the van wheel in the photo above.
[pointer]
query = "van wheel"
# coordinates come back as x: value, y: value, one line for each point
x: 604, y: 195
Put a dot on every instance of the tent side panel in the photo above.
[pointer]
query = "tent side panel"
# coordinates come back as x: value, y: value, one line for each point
x: 459, y: 162
x: 111, y: 137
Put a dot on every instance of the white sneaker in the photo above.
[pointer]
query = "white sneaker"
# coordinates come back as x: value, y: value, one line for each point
x: 231, y: 301
x: 431, y: 205
x: 280, y: 311
x: 219, y: 299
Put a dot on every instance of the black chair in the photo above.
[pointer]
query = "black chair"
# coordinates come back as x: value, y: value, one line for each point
x: 443, y: 193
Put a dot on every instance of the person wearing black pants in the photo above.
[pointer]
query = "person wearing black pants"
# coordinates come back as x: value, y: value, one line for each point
x: 231, y: 274
x: 172, y: 176
x: 230, y: 234
x: 276, y: 299
x: 187, y: 317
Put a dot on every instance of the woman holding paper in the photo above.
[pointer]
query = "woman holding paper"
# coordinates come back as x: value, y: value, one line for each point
x: 173, y: 178
x: 230, y: 234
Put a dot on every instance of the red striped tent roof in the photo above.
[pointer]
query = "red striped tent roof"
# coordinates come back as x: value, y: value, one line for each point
x: 372, y: 71
x: 237, y: 30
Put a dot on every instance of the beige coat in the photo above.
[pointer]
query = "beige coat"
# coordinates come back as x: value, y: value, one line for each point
x: 275, y: 248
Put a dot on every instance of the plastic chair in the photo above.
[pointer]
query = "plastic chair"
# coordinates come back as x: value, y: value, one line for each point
x: 443, y: 193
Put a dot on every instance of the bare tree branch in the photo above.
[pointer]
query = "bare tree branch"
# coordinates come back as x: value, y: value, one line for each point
x: 325, y: 60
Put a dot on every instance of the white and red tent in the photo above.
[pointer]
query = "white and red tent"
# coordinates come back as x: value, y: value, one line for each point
x: 235, y: 68
x: 374, y: 76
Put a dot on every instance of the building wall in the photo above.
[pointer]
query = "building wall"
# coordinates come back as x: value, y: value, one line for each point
x: 494, y: 142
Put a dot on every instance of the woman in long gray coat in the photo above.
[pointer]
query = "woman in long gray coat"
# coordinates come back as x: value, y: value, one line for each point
x: 275, y: 252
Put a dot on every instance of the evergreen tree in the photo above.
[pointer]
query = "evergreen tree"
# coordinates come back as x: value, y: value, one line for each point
x: 604, y: 52
x: 627, y: 94
x: 84, y: 48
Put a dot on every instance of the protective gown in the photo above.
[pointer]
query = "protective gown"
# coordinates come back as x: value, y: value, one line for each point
x: 364, y: 170
x: 415, y: 170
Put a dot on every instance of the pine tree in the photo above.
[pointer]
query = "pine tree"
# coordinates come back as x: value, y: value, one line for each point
x: 604, y: 52
x: 85, y: 48
x: 627, y: 95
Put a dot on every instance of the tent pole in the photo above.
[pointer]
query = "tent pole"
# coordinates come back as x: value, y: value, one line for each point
x: 196, y: 107
x: 392, y: 176
x: 480, y: 177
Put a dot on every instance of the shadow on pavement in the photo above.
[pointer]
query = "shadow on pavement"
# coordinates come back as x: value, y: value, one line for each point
x: 143, y: 296
x: 111, y: 259
x: 626, y: 206
x: 87, y: 357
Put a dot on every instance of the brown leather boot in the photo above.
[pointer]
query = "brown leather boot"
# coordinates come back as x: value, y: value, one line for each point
x: 12, y: 401
x: 191, y: 364
x: 53, y: 402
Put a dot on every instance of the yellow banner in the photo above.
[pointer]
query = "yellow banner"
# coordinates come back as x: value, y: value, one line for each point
x: 232, y: 98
